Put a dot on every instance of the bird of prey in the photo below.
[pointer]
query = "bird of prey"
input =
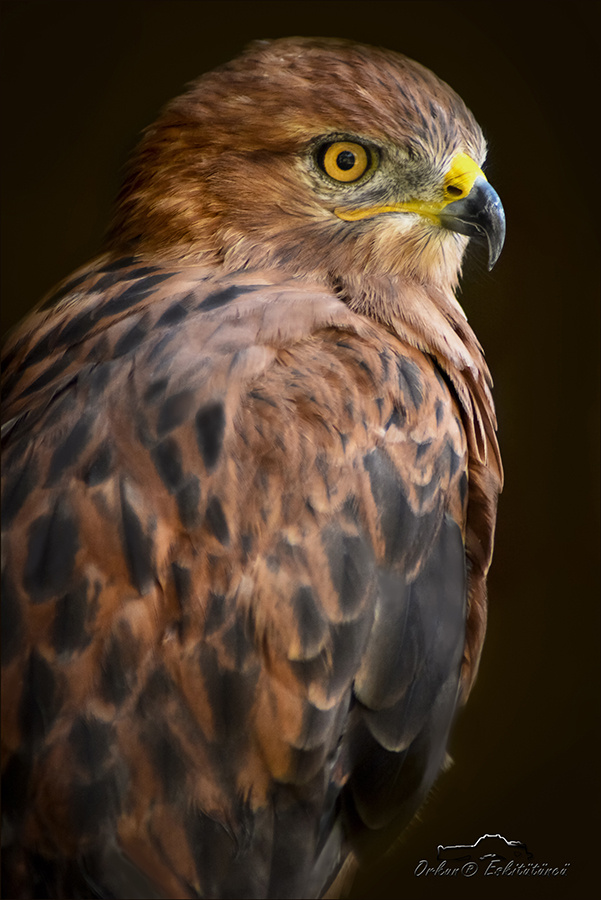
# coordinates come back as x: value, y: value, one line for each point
x: 249, y: 491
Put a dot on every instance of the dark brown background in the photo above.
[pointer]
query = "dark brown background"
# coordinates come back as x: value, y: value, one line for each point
x: 81, y: 79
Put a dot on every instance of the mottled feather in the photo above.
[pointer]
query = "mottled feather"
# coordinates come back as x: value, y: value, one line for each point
x: 249, y: 489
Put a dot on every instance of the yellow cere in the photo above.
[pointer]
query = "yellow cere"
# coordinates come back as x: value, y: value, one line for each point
x: 458, y: 182
x: 460, y: 178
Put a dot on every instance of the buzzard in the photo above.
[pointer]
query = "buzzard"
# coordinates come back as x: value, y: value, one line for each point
x: 249, y: 491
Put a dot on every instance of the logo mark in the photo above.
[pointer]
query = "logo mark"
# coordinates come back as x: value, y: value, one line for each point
x: 489, y: 846
x: 491, y: 854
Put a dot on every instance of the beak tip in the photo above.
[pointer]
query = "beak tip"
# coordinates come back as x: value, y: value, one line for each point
x: 495, y: 234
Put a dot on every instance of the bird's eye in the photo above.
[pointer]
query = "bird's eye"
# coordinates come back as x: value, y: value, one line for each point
x: 344, y: 160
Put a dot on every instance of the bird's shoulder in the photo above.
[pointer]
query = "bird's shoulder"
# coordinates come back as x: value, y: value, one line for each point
x: 167, y: 344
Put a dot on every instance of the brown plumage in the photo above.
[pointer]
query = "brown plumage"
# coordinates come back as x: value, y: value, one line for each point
x: 249, y: 491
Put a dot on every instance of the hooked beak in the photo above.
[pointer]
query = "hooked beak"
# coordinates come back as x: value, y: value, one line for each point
x: 479, y: 214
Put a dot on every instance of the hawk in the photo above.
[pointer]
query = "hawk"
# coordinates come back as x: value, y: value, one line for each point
x: 249, y: 491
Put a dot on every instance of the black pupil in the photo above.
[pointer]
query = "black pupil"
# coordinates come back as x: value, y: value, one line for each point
x: 345, y: 160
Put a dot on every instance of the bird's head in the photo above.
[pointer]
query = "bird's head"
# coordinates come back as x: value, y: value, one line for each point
x: 318, y: 157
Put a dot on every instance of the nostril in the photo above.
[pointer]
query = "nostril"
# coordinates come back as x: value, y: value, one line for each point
x: 454, y: 191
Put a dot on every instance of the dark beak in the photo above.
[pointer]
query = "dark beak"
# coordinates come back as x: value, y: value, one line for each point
x: 479, y: 214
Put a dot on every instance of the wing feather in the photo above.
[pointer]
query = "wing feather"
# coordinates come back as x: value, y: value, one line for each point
x: 231, y: 504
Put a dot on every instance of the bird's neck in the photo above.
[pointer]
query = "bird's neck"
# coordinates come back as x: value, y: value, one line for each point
x: 426, y: 315
x: 429, y: 317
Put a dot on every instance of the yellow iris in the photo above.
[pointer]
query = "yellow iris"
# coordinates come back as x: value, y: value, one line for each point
x: 345, y: 161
